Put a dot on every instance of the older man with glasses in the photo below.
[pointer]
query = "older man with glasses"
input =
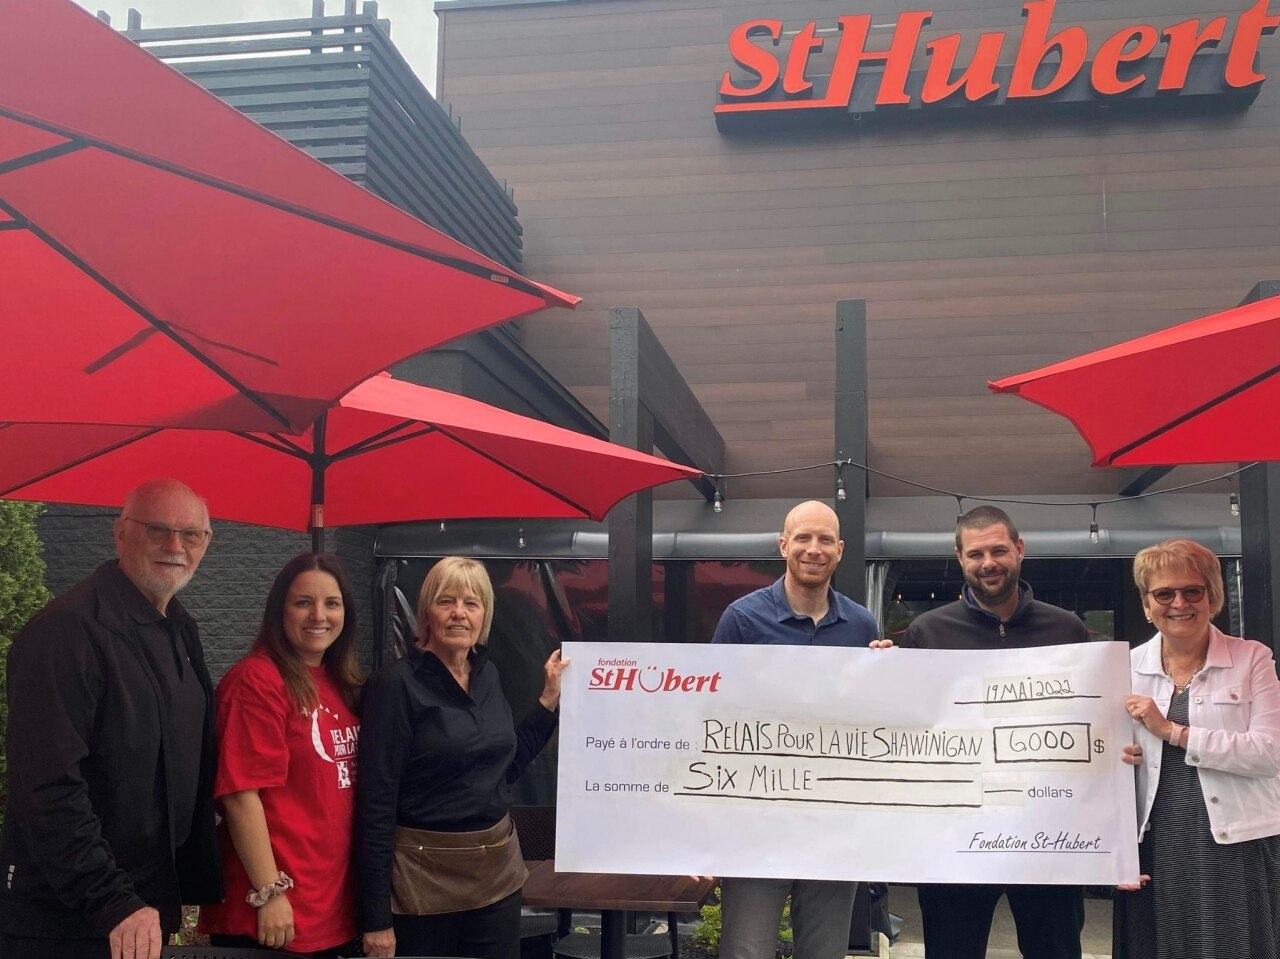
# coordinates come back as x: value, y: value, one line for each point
x: 109, y: 827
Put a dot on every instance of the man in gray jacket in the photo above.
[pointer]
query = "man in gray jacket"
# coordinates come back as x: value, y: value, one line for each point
x: 109, y: 827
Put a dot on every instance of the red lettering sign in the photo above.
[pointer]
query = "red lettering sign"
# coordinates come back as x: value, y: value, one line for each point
x: 1044, y: 63
x: 652, y: 679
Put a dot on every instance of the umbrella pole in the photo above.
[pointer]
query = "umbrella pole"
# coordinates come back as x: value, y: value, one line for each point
x: 317, y: 484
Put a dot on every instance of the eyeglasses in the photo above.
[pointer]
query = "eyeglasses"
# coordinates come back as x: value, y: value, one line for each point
x: 1164, y: 596
x: 192, y: 537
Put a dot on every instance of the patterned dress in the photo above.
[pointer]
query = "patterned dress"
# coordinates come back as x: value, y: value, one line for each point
x: 1205, y: 900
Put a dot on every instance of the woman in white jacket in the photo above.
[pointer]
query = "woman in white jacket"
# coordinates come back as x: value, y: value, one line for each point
x: 1206, y: 710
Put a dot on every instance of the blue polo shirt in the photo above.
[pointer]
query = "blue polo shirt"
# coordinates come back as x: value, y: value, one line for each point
x: 764, y: 617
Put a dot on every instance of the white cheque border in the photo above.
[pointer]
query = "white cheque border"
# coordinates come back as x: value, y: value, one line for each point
x: 826, y: 763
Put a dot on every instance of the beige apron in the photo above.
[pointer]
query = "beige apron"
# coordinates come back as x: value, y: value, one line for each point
x: 439, y: 872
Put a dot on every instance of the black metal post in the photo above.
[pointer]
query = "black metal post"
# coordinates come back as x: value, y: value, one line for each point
x: 649, y: 404
x: 851, y: 444
x: 1260, y: 531
x: 1260, y: 558
x: 318, y: 466
x: 631, y: 521
x: 678, y: 607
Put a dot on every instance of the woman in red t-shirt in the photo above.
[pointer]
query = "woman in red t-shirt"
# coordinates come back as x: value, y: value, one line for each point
x: 287, y: 732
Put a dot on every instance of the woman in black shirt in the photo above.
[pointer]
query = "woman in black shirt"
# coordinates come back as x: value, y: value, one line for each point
x: 439, y: 861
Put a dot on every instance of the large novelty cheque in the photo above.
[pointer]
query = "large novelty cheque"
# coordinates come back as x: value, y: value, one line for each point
x: 899, y: 765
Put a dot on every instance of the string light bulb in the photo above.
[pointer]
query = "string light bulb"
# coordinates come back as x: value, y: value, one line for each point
x: 442, y: 526
x: 1094, y: 530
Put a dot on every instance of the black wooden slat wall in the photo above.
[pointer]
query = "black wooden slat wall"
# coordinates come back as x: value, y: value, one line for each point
x: 337, y: 88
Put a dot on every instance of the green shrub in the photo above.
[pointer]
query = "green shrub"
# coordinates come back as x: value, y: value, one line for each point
x: 706, y: 934
x: 22, y: 594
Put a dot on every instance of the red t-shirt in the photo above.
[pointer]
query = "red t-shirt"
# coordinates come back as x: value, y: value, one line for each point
x: 304, y: 768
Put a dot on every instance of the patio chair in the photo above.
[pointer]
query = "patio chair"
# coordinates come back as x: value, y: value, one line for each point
x: 537, y: 828
x: 539, y: 928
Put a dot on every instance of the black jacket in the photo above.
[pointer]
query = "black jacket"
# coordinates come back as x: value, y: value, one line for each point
x: 965, y: 625
x: 88, y: 835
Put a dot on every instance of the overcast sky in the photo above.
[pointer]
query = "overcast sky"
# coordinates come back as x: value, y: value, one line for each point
x: 413, y: 24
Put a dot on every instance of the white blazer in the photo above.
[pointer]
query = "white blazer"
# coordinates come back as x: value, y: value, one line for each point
x: 1234, y: 739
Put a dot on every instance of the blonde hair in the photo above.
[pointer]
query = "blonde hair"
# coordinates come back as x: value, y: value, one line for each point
x: 455, y: 573
x: 1178, y: 555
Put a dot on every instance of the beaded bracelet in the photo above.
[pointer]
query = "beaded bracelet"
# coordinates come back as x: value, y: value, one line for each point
x: 260, y: 897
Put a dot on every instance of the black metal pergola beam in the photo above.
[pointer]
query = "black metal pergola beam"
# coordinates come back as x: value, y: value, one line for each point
x: 649, y: 404
x: 1135, y: 480
x: 1260, y: 530
x: 682, y: 430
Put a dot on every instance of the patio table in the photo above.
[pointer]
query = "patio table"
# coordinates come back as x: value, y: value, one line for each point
x: 614, y: 895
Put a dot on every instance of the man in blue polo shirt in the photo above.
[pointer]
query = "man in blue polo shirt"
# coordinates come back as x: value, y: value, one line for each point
x: 800, y: 609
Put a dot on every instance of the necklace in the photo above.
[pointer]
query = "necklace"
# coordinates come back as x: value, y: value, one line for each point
x: 1180, y: 688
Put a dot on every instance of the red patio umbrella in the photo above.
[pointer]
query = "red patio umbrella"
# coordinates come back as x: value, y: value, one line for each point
x: 168, y: 261
x: 1207, y: 391
x: 388, y: 451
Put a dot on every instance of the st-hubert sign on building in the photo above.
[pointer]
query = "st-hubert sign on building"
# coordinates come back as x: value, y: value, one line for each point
x: 1044, y: 64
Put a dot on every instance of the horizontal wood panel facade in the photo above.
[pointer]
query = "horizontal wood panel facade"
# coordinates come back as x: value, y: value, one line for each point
x: 986, y: 242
